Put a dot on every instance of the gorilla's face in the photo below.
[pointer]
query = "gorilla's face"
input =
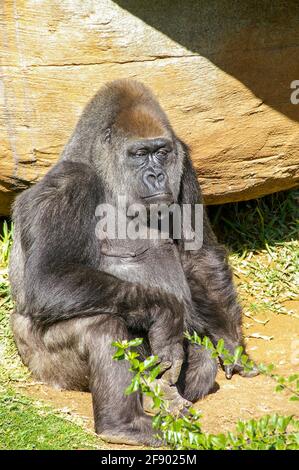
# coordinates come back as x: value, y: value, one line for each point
x: 150, y: 161
x: 146, y: 170
x: 150, y: 170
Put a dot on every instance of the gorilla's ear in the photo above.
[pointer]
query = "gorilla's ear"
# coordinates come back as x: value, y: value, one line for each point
x: 190, y: 192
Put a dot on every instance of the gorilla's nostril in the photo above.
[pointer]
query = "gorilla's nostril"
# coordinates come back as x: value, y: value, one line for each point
x: 154, y: 179
x: 151, y: 178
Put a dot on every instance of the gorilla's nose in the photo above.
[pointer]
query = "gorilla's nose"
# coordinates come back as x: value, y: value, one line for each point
x: 155, y: 179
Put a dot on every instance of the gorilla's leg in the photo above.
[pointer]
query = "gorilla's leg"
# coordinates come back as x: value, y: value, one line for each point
x: 198, y: 373
x: 77, y: 355
x: 118, y: 417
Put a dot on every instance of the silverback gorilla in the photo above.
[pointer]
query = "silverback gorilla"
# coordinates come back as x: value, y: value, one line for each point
x: 74, y: 294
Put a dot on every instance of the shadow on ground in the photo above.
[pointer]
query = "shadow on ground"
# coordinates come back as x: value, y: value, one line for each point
x: 253, y: 225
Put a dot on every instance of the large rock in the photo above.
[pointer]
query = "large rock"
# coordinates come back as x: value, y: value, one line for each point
x: 222, y: 70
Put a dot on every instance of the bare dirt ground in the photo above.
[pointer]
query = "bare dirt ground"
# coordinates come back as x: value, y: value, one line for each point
x: 239, y: 398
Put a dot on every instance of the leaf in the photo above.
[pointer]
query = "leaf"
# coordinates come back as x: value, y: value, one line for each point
x: 118, y: 355
x: 207, y: 343
x: 238, y: 353
x: 244, y: 359
x: 120, y: 344
x: 134, y: 385
x: 228, y: 362
x: 132, y: 355
x: 281, y: 380
x: 219, y: 441
x: 135, y: 364
x: 135, y: 342
x: 220, y: 346
x: 150, y: 361
x: 154, y: 372
x: 157, y: 421
x: 156, y: 402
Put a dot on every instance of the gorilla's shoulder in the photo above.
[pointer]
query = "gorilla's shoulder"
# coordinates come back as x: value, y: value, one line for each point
x: 65, y: 181
x: 68, y: 175
x: 68, y: 171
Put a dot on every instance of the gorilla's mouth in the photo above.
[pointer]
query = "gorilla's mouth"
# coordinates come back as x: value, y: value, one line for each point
x: 162, y: 197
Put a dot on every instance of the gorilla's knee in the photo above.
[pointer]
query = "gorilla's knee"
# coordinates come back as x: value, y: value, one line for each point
x: 105, y: 329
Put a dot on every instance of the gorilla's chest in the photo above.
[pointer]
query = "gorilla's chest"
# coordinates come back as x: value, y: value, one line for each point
x: 154, y: 263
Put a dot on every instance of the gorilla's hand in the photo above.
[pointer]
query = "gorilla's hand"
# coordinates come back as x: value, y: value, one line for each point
x: 171, y: 358
x: 176, y: 405
x: 238, y: 368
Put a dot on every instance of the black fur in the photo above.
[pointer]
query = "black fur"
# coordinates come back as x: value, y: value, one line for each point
x: 72, y: 301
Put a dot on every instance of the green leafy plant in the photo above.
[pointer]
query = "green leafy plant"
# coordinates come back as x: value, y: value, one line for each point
x: 5, y: 245
x: 5, y: 242
x: 290, y: 383
x: 262, y: 236
x: 184, y: 431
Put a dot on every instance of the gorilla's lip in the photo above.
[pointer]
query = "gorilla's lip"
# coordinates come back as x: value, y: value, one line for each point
x: 162, y: 195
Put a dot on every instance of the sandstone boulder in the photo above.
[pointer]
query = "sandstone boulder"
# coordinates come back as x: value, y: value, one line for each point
x: 222, y: 70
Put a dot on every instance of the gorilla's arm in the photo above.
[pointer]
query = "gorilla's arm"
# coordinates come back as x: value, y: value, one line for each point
x: 210, y: 280
x: 218, y: 313
x: 56, y: 223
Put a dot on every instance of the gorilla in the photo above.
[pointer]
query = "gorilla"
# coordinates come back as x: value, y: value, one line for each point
x: 75, y: 293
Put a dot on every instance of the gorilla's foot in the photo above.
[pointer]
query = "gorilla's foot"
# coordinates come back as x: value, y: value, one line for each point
x: 132, y: 439
x: 138, y: 433
x: 176, y: 403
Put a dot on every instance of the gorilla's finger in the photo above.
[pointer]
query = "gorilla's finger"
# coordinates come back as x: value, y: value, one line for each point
x: 172, y: 374
x: 229, y: 371
x: 164, y: 365
x: 250, y: 373
x: 239, y: 369
x: 185, y: 410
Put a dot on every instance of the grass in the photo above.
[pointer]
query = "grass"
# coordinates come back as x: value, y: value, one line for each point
x: 262, y: 236
x: 11, y: 367
x: 31, y: 425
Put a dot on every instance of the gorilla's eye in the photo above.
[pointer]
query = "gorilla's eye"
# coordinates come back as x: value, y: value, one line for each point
x: 141, y: 153
x: 162, y: 153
